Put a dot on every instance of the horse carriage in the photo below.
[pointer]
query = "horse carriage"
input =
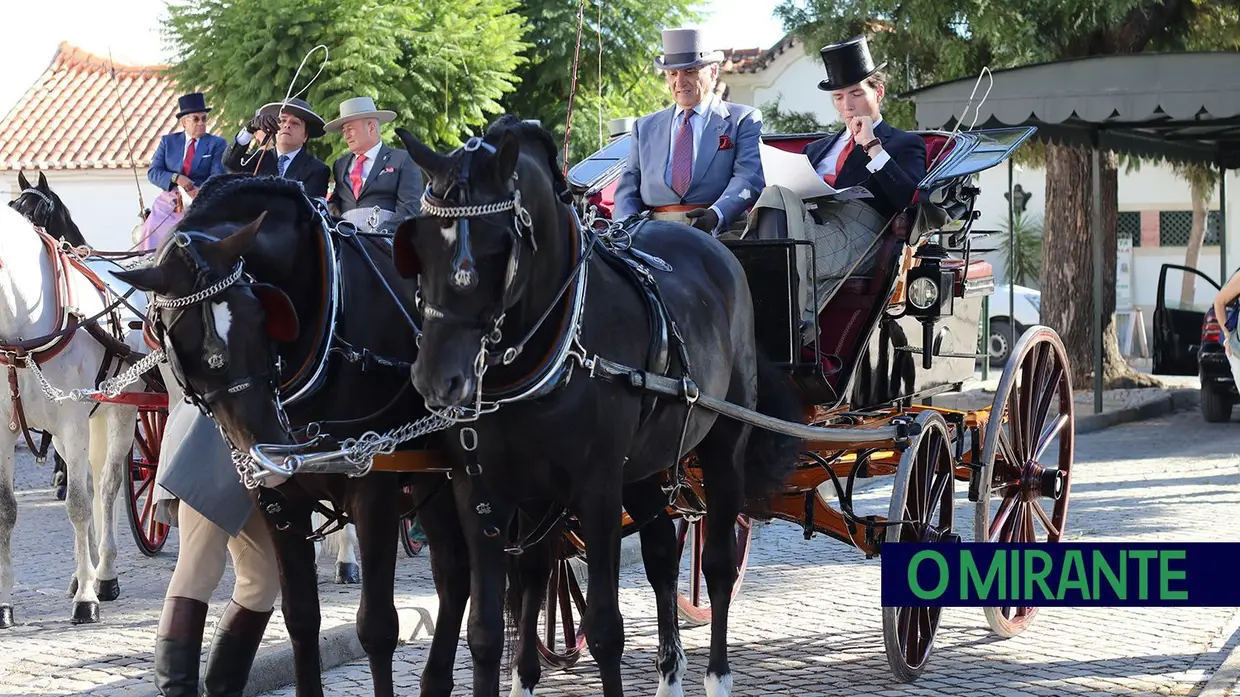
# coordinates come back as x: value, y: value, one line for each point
x: 871, y: 417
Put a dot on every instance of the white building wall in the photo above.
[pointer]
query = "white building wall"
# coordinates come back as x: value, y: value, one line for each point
x: 103, y: 202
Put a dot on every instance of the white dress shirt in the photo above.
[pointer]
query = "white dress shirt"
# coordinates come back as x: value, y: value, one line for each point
x: 701, y: 114
x: 370, y: 154
x: 827, y: 164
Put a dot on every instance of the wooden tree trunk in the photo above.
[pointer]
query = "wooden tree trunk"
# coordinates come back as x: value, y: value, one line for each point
x: 1195, y: 238
x: 1068, y: 266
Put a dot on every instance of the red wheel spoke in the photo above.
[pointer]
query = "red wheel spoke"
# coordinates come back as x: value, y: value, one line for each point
x: 1048, y: 435
x: 1051, y: 529
x: 1001, y: 518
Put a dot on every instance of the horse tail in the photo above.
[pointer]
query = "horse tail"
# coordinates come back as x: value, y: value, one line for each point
x: 770, y: 457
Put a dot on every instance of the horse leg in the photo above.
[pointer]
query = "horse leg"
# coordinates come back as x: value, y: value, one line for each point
x: 645, y: 501
x: 111, y: 440
x: 450, y: 570
x: 526, y: 592
x: 599, y: 511
x: 299, y: 590
x: 373, y: 506
x: 347, y: 570
x: 488, y: 564
x: 721, y: 453
x: 8, y: 519
x: 79, y: 502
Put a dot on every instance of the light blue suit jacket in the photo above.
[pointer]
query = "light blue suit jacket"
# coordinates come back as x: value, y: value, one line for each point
x: 729, y: 179
x: 166, y: 163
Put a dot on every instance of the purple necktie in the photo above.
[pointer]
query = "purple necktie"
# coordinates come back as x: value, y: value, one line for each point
x: 682, y: 159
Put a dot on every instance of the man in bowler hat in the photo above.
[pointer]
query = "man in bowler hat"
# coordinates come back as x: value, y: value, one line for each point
x: 697, y: 161
x: 289, y: 126
x: 868, y: 152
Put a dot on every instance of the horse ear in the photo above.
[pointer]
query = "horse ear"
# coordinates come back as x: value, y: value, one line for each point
x: 22, y: 181
x: 506, y: 155
x: 236, y: 245
x: 403, y: 253
x: 42, y: 181
x: 422, y: 154
x: 281, y: 318
x: 151, y: 279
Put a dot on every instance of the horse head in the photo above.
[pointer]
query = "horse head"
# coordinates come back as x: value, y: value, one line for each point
x: 218, y: 328
x: 490, y: 229
x: 42, y: 207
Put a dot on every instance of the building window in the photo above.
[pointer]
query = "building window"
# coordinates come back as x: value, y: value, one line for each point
x: 1129, y: 227
x: 1174, y: 228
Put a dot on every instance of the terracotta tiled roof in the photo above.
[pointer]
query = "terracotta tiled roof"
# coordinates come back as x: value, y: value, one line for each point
x: 75, y: 115
x: 752, y: 60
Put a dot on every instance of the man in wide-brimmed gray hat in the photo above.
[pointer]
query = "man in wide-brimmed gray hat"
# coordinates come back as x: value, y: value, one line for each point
x: 373, y: 182
x: 287, y: 127
x: 697, y: 161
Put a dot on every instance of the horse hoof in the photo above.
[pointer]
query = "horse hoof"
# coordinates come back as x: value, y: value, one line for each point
x: 108, y: 590
x: 85, y: 612
x: 6, y: 616
x: 73, y: 587
x: 348, y: 573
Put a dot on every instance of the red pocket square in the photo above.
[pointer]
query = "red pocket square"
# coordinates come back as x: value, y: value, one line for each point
x: 725, y: 142
x: 389, y: 169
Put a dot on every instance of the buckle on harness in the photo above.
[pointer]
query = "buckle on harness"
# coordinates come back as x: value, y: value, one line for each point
x: 689, y: 391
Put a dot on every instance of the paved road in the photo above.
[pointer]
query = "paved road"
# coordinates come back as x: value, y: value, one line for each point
x: 807, y: 621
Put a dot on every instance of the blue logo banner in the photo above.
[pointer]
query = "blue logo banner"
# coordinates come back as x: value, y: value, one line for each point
x: 1064, y: 574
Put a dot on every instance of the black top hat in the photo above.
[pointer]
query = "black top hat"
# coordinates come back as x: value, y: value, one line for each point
x: 192, y: 103
x: 847, y: 63
x: 300, y: 109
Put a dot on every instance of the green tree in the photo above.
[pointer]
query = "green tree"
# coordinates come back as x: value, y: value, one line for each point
x: 929, y: 41
x: 443, y: 66
x: 776, y: 119
x: 615, y: 77
x: 1022, y: 248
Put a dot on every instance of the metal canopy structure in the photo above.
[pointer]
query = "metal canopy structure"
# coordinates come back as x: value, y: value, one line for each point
x: 1179, y: 107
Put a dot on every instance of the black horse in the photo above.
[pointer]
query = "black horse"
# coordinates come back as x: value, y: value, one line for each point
x: 243, y: 334
x: 527, y: 310
x: 42, y: 207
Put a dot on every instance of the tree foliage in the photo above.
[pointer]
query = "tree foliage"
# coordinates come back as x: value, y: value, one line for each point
x: 615, y: 76
x: 443, y: 66
x: 776, y: 119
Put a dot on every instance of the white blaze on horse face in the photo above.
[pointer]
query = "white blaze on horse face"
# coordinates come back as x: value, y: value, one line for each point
x: 449, y: 233
x: 223, y: 320
x: 672, y: 685
x: 718, y: 685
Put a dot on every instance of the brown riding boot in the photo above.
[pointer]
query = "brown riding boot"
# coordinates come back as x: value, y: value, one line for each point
x: 178, y: 646
x: 237, y: 638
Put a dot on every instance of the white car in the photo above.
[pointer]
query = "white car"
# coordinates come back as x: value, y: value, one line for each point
x: 1003, y: 334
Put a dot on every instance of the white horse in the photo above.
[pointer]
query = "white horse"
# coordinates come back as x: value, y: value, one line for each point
x: 95, y: 447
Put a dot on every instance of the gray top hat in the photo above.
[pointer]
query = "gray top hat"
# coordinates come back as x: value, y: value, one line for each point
x: 684, y: 48
x: 300, y: 109
x: 359, y: 108
x: 619, y: 127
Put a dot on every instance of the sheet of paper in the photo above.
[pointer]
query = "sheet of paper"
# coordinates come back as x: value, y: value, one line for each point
x: 793, y: 170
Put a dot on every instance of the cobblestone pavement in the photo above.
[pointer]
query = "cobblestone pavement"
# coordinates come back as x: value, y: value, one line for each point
x: 807, y: 620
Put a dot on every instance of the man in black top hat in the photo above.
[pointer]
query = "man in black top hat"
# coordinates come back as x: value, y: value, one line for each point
x: 291, y: 125
x: 868, y: 152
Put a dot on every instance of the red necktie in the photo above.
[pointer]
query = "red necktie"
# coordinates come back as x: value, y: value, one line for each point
x: 839, y: 164
x: 682, y: 159
x: 188, y: 163
x: 356, y: 176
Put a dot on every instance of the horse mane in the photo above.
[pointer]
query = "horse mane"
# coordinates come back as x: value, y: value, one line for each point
x: 527, y: 132
x: 240, y: 198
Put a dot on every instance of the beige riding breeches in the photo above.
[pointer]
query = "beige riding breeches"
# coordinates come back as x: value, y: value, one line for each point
x: 204, y: 548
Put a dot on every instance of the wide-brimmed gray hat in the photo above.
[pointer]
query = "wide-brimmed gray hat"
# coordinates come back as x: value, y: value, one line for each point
x: 685, y: 48
x: 359, y: 108
x: 300, y: 109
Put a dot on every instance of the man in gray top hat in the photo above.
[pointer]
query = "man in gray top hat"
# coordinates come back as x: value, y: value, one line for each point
x: 697, y: 161
x: 373, y: 181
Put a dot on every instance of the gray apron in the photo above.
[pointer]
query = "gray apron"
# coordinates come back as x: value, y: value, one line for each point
x: 196, y: 467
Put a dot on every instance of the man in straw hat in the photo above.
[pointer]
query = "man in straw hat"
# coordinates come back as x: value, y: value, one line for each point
x: 372, y: 176
x: 696, y: 161
x: 290, y: 127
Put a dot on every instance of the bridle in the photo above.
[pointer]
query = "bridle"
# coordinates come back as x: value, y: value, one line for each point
x: 46, y: 206
x: 215, y: 358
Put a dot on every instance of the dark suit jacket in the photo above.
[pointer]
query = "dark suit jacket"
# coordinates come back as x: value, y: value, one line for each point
x: 208, y: 159
x: 394, y: 184
x: 312, y: 172
x: 893, y: 186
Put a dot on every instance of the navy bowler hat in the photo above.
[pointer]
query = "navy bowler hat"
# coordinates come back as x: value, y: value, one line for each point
x: 192, y: 103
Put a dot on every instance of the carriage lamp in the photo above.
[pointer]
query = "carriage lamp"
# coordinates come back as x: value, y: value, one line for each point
x: 929, y: 296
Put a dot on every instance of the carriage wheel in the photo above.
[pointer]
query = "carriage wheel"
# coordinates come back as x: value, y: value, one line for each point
x: 1033, y: 405
x: 562, y: 641
x: 148, y: 533
x: 694, y: 606
x: 923, y: 495
x: 412, y: 547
